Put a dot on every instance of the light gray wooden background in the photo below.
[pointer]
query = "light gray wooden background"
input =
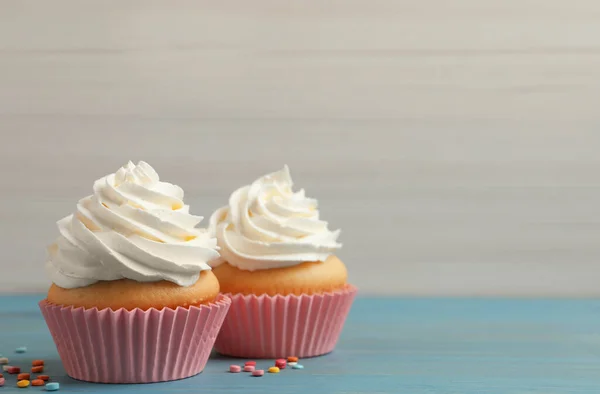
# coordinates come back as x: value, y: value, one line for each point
x: 454, y: 142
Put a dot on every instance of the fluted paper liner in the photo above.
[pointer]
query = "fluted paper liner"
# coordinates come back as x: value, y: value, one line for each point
x: 137, y: 346
x: 280, y: 326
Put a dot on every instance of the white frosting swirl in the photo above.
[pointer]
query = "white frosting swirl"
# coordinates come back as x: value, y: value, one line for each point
x: 134, y: 227
x: 267, y: 225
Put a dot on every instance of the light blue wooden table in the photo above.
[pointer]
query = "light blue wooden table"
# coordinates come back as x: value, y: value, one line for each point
x: 415, y: 346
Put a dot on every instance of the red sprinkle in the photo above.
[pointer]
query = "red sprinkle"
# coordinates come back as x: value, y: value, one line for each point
x: 37, y: 369
x: 37, y: 382
x: 37, y: 363
x: 249, y: 368
x: 1, y: 376
x: 14, y: 370
x: 43, y: 377
x: 253, y: 363
x: 23, y: 376
x: 258, y: 372
x: 280, y: 363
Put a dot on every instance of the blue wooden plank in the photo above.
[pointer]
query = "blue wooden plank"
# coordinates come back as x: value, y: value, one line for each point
x: 447, y: 346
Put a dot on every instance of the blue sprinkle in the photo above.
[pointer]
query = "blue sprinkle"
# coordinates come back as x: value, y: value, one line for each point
x: 298, y: 366
x: 52, y: 386
x: 21, y: 349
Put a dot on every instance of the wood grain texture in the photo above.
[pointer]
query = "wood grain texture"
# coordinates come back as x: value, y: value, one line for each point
x: 420, y: 346
x: 455, y: 143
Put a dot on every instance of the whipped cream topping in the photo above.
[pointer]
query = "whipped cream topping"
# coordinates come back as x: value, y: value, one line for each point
x: 267, y: 225
x: 134, y: 226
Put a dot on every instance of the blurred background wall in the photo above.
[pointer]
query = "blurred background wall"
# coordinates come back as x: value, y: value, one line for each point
x: 454, y: 142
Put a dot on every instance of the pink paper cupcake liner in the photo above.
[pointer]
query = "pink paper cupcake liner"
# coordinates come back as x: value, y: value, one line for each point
x: 279, y: 326
x: 137, y: 346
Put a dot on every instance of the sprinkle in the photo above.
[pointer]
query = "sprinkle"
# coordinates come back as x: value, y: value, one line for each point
x: 258, y: 372
x: 235, y: 368
x: 37, y: 363
x: 281, y: 363
x: 1, y: 382
x: 37, y: 369
x: 292, y: 364
x: 3, y: 360
x: 298, y: 366
x: 14, y: 370
x: 21, y: 349
x: 249, y: 368
x: 52, y: 386
x: 22, y: 384
x: 292, y: 359
x: 253, y: 363
x: 273, y: 370
x: 6, y: 367
x: 37, y: 382
x: 43, y: 377
x: 1, y: 376
x: 23, y: 376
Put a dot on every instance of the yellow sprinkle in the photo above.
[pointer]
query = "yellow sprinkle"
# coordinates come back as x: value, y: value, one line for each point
x: 274, y: 370
x: 23, y: 383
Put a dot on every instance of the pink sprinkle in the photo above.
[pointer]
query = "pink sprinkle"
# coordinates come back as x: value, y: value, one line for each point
x: 235, y: 368
x: 1, y: 381
x: 258, y: 372
x: 253, y: 363
x: 249, y: 368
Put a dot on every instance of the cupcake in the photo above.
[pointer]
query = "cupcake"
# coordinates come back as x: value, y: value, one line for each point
x: 289, y: 291
x: 133, y: 298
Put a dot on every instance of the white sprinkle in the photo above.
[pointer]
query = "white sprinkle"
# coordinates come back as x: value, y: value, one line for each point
x: 3, y: 360
x: 292, y: 363
x: 6, y: 367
